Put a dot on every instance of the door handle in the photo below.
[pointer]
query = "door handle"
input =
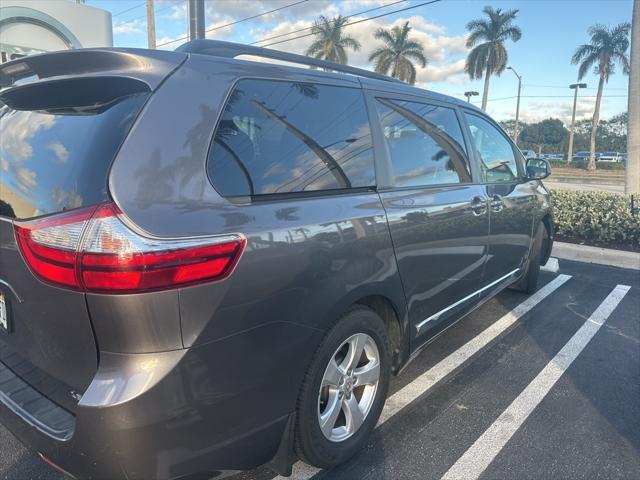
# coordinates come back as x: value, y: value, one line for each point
x: 496, y: 203
x: 478, y: 206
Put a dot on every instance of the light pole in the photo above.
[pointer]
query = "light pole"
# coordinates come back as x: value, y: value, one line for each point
x: 151, y: 25
x: 470, y: 94
x: 515, y: 129
x: 195, y: 9
x: 575, y: 87
x: 632, y: 183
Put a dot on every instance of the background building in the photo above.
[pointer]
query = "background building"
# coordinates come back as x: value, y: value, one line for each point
x: 36, y: 26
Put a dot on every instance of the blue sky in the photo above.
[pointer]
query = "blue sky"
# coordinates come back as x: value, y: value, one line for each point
x: 552, y: 29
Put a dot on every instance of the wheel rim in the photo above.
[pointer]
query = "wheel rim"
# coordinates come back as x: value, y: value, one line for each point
x: 348, y: 387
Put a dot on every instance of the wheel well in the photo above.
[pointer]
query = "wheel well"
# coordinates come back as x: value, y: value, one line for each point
x: 385, y: 309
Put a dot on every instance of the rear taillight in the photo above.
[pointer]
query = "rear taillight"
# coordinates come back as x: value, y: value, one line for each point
x: 97, y: 250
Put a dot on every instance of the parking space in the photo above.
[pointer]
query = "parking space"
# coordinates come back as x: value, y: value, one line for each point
x: 543, y: 386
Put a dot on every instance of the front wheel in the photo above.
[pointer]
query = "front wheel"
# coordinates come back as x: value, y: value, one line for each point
x: 344, y: 390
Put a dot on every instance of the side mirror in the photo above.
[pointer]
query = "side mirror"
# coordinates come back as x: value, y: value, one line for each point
x: 538, y: 169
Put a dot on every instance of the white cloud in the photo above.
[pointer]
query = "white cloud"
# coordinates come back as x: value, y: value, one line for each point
x: 536, y: 111
x: 59, y: 150
x: 26, y: 179
x: 16, y: 140
x: 131, y: 27
x: 446, y: 72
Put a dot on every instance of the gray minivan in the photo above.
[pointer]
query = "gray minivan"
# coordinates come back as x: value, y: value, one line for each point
x: 209, y: 264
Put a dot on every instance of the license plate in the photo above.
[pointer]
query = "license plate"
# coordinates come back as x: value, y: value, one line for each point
x: 4, y: 320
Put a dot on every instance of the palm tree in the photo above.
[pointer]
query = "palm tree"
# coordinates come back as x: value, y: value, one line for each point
x: 490, y: 56
x: 607, y: 47
x: 397, y: 52
x: 330, y: 43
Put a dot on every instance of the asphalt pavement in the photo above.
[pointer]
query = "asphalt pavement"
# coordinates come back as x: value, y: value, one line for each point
x: 532, y: 387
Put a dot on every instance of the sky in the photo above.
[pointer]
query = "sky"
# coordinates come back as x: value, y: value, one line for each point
x: 551, y: 31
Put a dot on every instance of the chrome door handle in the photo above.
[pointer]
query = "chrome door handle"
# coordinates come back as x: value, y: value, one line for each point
x: 478, y: 206
x: 496, y: 203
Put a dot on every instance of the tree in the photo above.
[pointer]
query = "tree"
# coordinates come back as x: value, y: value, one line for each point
x: 551, y: 132
x: 608, y: 47
x: 397, y: 53
x: 330, y: 43
x: 490, y: 56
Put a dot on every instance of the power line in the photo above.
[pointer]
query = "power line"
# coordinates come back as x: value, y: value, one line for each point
x: 358, y: 21
x: 258, y: 15
x: 550, y: 96
x: 566, y: 86
x: 145, y: 15
x: 129, y: 9
x: 309, y: 28
x: 238, y: 21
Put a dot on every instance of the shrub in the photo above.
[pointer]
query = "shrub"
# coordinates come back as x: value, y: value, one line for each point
x: 582, y: 164
x: 599, y: 218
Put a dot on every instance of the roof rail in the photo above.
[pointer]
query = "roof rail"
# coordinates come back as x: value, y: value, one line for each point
x: 220, y: 48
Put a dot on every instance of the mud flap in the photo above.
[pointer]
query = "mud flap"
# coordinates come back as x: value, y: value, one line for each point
x: 285, y: 457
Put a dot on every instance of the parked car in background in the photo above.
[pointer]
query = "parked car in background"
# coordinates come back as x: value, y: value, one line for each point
x: 181, y: 299
x: 585, y: 156
x: 529, y: 154
x: 554, y: 156
x: 611, y: 157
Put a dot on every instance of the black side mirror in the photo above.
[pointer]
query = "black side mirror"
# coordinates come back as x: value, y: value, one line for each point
x: 538, y: 169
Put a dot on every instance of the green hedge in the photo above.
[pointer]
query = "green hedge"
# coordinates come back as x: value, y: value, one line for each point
x: 596, y: 218
x: 583, y: 164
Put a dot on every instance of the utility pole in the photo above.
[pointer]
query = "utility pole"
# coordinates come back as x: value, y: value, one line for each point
x: 515, y: 129
x: 470, y: 94
x: 196, y: 19
x: 151, y: 25
x: 632, y: 183
x: 575, y: 87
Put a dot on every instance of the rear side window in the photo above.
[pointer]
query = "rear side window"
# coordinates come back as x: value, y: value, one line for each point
x: 495, y: 153
x: 279, y: 137
x: 425, y: 143
x: 58, y: 159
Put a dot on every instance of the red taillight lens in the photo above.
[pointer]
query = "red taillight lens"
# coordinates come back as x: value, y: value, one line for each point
x: 49, y: 245
x: 96, y: 250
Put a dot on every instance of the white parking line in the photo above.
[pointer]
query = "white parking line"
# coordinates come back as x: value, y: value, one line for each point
x: 409, y: 393
x: 478, y: 457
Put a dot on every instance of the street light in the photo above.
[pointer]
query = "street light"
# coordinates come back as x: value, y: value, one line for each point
x: 469, y: 95
x: 515, y: 129
x: 575, y: 87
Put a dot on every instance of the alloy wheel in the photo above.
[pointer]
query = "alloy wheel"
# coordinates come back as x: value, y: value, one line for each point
x: 348, y: 387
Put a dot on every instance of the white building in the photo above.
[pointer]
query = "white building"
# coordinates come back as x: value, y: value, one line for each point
x: 37, y: 26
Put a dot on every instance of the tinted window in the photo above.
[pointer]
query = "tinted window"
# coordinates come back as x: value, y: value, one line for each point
x: 425, y: 143
x: 279, y: 137
x: 494, y: 151
x: 56, y: 160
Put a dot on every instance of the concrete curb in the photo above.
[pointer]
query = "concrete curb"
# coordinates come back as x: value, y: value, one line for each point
x: 601, y: 256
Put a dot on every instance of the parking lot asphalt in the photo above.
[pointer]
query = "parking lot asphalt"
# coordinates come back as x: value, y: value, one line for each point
x: 524, y: 387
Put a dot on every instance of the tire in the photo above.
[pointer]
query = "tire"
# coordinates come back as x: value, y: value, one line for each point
x: 529, y: 282
x: 341, y: 439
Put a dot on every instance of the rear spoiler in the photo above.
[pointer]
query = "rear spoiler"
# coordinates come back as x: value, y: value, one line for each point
x: 150, y: 67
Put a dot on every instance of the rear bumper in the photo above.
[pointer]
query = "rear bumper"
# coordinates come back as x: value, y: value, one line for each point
x: 176, y: 414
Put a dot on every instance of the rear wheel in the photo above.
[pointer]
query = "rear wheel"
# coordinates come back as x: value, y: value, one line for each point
x: 529, y: 282
x: 344, y: 390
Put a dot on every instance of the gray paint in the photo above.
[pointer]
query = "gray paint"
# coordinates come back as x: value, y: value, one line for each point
x: 205, y: 378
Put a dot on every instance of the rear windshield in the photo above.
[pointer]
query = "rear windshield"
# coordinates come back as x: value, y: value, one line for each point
x: 56, y: 160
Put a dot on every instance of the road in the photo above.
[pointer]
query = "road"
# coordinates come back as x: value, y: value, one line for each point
x: 536, y: 387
